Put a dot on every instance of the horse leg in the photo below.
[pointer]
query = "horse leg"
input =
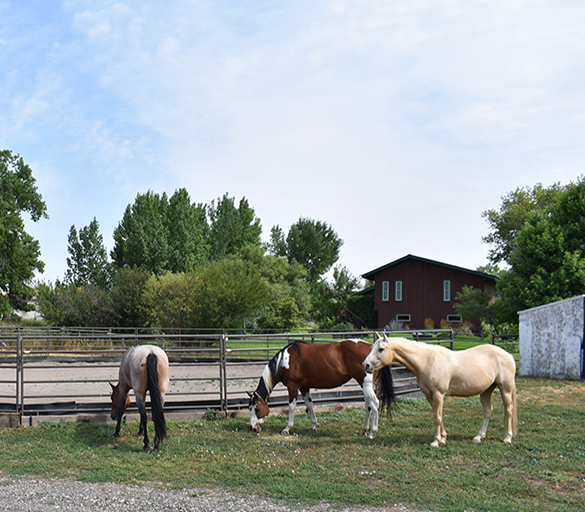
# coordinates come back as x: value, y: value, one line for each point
x: 292, y: 406
x: 436, y: 401
x: 486, y: 401
x: 372, y: 405
x: 121, y: 409
x: 509, y: 411
x: 310, y: 409
x: 143, y: 427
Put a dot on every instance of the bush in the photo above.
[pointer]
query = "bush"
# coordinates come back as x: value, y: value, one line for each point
x: 394, y: 325
x: 86, y: 306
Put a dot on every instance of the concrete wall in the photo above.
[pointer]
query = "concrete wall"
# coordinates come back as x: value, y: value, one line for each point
x: 551, y: 339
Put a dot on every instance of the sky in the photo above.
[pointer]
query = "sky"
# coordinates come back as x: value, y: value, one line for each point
x: 396, y: 123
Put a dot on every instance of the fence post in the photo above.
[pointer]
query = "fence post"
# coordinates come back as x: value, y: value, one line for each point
x: 223, y: 372
x: 19, y: 375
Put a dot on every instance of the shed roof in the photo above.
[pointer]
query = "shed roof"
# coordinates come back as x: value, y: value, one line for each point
x: 372, y: 273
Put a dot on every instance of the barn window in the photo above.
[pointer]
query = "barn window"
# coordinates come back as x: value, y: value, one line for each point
x: 454, y: 319
x: 403, y: 317
x: 385, y: 291
x: 398, y: 291
x: 447, y: 290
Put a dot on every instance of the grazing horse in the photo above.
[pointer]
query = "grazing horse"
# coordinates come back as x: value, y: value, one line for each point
x: 143, y: 368
x: 301, y: 366
x: 442, y: 372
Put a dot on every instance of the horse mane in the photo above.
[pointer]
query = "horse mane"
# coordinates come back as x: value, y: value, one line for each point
x: 271, y: 374
x: 384, y: 388
x: 295, y: 344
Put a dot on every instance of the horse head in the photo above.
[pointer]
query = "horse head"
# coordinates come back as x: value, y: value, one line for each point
x: 115, y: 397
x: 258, y: 411
x: 381, y: 355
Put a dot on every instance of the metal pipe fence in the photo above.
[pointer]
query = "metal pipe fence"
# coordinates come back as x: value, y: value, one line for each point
x: 66, y: 371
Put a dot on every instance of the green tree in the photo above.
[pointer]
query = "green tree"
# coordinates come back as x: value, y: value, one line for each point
x: 507, y: 222
x: 230, y: 292
x: 169, y: 300
x: 85, y: 306
x: 187, y: 231
x: 88, y: 261
x: 232, y: 228
x: 288, y: 302
x: 277, y: 244
x: 473, y: 304
x: 128, y: 285
x: 141, y: 238
x: 314, y: 245
x: 19, y: 252
x: 344, y: 285
x: 219, y: 294
x: 548, y: 261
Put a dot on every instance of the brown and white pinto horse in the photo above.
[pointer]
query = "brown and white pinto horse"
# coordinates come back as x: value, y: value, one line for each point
x: 302, y: 366
x: 143, y: 368
x: 442, y: 372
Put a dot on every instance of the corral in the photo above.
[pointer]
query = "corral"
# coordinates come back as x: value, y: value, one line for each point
x: 63, y: 373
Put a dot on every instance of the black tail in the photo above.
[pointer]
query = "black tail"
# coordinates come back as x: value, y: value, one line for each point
x: 385, y: 388
x: 156, y: 400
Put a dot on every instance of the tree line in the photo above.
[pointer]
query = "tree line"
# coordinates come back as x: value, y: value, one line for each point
x: 176, y: 263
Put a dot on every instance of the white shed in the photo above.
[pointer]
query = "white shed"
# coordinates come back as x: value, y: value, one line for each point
x: 551, y: 339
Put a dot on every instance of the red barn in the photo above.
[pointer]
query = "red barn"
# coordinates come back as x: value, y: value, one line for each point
x: 412, y: 289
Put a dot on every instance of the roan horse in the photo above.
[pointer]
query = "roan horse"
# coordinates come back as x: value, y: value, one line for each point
x: 143, y: 368
x: 441, y: 372
x: 301, y: 366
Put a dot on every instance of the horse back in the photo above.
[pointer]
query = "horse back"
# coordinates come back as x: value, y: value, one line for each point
x: 134, y: 369
x: 327, y: 365
x: 480, y: 367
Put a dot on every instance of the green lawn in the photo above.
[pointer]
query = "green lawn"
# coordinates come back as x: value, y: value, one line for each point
x: 543, y: 470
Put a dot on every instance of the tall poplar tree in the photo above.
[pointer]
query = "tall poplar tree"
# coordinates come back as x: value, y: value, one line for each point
x: 88, y: 258
x: 231, y: 227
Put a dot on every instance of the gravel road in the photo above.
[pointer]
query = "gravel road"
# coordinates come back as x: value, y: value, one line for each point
x: 40, y: 495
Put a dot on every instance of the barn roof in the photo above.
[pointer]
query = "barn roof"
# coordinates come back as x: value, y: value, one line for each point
x: 372, y: 273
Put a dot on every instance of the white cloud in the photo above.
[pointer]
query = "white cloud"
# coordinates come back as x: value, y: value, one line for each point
x: 396, y: 122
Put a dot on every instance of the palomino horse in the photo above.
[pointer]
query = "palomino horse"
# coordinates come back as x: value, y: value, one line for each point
x: 441, y: 372
x: 143, y: 368
x: 301, y: 366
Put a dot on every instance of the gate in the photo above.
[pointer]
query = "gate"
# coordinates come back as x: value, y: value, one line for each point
x: 47, y: 373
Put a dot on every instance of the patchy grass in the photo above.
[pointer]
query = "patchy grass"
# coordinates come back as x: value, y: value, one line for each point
x: 543, y: 470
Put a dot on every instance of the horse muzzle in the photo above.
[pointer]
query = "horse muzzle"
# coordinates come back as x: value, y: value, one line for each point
x: 368, y: 368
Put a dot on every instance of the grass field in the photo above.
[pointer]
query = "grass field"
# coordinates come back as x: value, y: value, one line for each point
x: 543, y: 470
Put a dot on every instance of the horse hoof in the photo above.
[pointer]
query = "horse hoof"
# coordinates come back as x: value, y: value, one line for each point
x: 313, y: 429
x: 285, y: 432
x: 508, y: 440
x: 116, y: 435
x: 477, y: 439
x: 435, y: 444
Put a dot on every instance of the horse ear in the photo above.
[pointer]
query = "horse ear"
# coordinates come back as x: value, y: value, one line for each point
x: 113, y: 387
x: 386, y: 337
x: 249, y: 394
